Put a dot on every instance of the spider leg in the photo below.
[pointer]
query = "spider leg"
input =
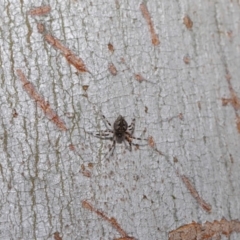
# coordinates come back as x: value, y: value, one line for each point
x: 111, y: 149
x: 128, y: 138
x: 131, y: 127
x: 107, y: 134
x: 106, y: 121
x: 139, y: 138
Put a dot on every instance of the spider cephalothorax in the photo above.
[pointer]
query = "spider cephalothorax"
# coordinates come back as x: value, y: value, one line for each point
x: 120, y: 131
x: 120, y: 126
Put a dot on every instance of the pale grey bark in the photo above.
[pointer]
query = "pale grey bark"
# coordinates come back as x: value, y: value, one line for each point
x: 42, y: 184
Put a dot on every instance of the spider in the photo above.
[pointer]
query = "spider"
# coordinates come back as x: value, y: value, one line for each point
x: 120, y: 131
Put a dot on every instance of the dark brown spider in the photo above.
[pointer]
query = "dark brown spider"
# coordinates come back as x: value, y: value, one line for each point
x: 120, y: 132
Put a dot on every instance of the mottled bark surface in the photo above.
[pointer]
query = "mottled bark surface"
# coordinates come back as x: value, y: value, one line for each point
x: 173, y: 66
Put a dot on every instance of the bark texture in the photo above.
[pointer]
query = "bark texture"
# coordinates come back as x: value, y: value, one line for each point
x: 171, y: 65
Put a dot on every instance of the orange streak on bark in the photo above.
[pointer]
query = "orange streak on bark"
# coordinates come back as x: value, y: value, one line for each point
x: 125, y: 238
x: 112, y: 69
x: 76, y: 62
x: 40, y: 11
x: 112, y: 220
x: 139, y: 77
x: 151, y: 142
x: 57, y: 44
x: 205, y: 231
x: 188, y: 22
x: 57, y: 236
x: 146, y: 15
x: 29, y: 88
x: 68, y: 54
x: 234, y: 100
x: 110, y: 47
x: 207, y: 207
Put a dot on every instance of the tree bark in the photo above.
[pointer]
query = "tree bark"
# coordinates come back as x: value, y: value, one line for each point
x: 171, y: 66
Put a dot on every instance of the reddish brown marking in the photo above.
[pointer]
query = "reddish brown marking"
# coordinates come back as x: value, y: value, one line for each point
x: 146, y: 15
x: 57, y: 236
x: 112, y: 69
x: 180, y: 116
x: 151, y: 142
x: 110, y: 47
x: 40, y: 11
x: 238, y: 123
x: 125, y: 238
x: 230, y: 34
x: 175, y: 159
x: 40, y: 28
x: 85, y: 172
x: 226, y: 101
x: 139, y: 77
x: 68, y: 54
x: 76, y: 62
x: 85, y: 87
x: 44, y: 105
x: 112, y: 220
x: 208, y: 230
x: 207, y: 207
x: 14, y: 114
x: 122, y: 60
x: 188, y: 22
x: 234, y: 100
x: 56, y: 43
x: 71, y: 147
x: 90, y: 165
x: 186, y: 59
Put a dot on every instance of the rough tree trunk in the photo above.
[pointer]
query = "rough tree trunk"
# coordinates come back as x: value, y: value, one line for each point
x: 171, y: 65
